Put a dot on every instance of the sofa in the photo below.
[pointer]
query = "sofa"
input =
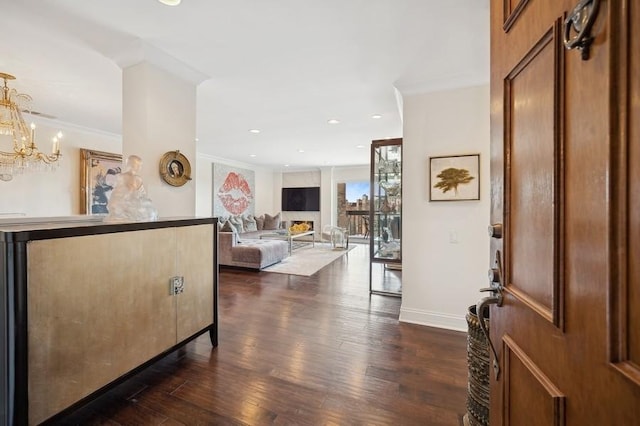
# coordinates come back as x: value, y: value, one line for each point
x: 239, y: 242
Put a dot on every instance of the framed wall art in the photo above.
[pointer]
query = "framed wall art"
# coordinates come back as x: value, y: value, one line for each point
x: 233, y: 191
x: 454, y: 178
x: 98, y: 172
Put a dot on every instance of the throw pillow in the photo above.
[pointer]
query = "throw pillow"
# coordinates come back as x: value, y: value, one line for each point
x: 249, y: 223
x: 236, y: 221
x: 271, y: 222
x: 228, y: 227
x: 260, y: 223
x: 221, y: 221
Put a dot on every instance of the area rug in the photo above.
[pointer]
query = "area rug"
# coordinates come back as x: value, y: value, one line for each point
x: 308, y: 260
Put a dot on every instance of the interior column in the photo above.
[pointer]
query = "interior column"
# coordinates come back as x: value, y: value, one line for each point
x: 159, y: 115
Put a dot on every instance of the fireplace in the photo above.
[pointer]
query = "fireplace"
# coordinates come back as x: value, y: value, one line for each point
x: 308, y: 222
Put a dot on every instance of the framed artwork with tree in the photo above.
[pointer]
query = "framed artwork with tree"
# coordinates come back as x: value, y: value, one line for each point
x: 454, y: 178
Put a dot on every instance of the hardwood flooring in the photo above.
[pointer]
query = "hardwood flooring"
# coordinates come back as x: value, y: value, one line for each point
x: 299, y: 351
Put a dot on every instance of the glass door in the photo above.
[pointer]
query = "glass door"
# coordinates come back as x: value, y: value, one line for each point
x: 385, y: 217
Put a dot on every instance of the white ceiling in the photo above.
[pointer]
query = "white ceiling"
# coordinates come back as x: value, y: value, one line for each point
x: 282, y: 66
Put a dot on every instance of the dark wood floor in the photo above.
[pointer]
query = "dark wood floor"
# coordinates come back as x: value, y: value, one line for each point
x: 300, y: 351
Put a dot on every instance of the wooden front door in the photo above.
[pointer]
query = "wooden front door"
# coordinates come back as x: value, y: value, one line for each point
x: 565, y: 170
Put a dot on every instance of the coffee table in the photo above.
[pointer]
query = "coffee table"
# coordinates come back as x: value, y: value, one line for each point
x: 287, y: 236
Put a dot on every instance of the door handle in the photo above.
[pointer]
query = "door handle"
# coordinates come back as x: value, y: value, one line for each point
x: 495, y: 287
x: 581, y: 20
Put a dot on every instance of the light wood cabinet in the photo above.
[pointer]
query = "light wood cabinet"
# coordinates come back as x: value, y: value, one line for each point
x: 194, y: 308
x: 99, y: 306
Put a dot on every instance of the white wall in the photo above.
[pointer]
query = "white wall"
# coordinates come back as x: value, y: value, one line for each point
x: 266, y: 180
x: 55, y: 193
x: 440, y: 279
x: 328, y: 200
x: 352, y: 174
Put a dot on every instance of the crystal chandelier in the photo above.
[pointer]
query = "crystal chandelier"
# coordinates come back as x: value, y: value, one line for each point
x: 25, y: 155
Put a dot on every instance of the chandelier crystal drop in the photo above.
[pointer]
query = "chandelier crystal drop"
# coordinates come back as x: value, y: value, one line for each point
x: 25, y: 155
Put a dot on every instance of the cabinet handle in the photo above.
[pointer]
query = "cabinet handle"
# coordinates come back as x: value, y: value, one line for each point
x: 176, y: 285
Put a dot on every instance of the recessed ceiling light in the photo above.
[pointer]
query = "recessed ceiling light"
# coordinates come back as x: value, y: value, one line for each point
x: 333, y: 121
x: 359, y: 146
x: 254, y: 131
x: 170, y: 2
x: 252, y: 155
x: 286, y: 165
x: 376, y: 116
x: 301, y: 151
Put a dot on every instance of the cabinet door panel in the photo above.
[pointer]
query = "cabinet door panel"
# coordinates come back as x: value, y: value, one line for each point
x: 97, y: 317
x: 195, y: 264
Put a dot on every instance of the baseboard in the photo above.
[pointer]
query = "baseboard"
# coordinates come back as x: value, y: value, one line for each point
x: 433, y: 319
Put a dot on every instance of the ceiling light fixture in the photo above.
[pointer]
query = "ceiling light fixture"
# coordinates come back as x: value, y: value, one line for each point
x: 333, y: 121
x: 359, y: 146
x: 301, y: 151
x: 252, y: 155
x: 254, y: 131
x: 25, y: 155
x: 170, y: 2
x: 376, y: 116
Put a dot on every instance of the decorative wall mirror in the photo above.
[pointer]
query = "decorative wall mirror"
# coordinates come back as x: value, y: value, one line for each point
x: 175, y: 168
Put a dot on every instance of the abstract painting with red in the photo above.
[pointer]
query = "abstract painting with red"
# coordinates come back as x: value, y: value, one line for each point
x: 233, y: 191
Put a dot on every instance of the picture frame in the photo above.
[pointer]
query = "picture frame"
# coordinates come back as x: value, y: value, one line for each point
x: 175, y: 169
x: 454, y: 178
x: 98, y: 174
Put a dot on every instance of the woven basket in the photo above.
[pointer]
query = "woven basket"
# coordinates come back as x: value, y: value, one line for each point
x: 478, y: 362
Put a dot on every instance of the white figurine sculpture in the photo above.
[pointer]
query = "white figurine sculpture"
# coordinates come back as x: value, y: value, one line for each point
x: 129, y: 201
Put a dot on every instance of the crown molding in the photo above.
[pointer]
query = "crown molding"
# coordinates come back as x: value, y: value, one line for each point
x: 57, y: 123
x: 459, y: 81
x: 140, y: 51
